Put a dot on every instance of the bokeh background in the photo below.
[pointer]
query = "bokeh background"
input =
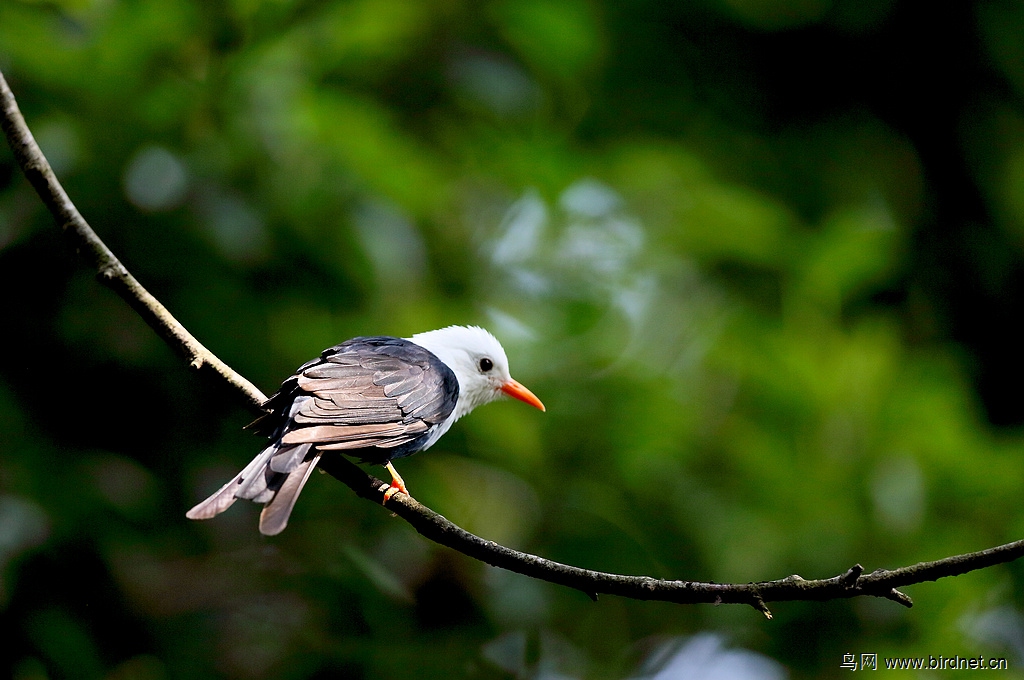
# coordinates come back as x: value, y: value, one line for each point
x: 761, y: 259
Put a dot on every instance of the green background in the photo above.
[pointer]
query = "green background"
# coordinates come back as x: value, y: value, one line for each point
x: 761, y: 259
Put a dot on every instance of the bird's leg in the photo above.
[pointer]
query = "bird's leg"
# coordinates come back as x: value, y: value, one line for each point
x: 397, y: 484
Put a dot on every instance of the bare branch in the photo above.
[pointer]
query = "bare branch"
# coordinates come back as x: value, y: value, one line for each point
x: 110, y: 272
x: 852, y: 583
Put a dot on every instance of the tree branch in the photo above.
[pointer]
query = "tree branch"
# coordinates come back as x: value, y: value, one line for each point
x: 852, y: 583
x: 110, y: 272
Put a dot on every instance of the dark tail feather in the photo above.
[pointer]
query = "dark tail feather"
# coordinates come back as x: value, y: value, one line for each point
x: 274, y: 517
x: 289, y: 457
x: 274, y: 477
x: 222, y: 499
x: 264, y: 485
x: 215, y: 504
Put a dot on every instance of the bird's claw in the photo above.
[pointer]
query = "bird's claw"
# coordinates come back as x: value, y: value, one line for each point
x: 397, y: 484
x: 392, y: 490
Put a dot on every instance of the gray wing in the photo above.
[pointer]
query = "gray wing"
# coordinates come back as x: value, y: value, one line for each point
x: 356, y: 400
x: 378, y: 398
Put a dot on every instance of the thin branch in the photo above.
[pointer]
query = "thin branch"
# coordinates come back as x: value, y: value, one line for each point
x: 109, y: 270
x: 852, y: 583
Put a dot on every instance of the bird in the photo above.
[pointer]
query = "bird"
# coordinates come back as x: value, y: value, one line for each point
x: 374, y: 398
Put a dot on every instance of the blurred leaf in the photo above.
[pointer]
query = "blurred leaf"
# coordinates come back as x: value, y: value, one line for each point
x: 560, y: 38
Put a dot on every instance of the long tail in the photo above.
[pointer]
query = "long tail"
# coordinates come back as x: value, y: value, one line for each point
x: 278, y: 509
x: 275, y: 477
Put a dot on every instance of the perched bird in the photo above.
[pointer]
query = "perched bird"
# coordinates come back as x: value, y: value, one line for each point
x: 376, y: 398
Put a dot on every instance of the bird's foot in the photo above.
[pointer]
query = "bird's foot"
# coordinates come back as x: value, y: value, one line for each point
x: 392, y: 490
x: 397, y: 484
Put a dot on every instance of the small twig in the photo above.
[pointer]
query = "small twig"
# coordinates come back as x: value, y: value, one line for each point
x: 900, y: 598
x: 849, y: 579
x: 852, y: 583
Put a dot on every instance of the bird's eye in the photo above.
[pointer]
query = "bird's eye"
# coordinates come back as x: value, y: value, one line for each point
x: 486, y: 365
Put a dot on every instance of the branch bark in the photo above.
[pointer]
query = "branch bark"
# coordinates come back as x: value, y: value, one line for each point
x: 111, y: 273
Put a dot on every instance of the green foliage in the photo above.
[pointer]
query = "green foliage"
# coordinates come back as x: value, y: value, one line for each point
x: 765, y: 304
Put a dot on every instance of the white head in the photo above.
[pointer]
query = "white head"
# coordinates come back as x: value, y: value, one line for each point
x: 479, y: 362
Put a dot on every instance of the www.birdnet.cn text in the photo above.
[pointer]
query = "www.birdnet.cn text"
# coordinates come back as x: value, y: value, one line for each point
x: 871, y: 662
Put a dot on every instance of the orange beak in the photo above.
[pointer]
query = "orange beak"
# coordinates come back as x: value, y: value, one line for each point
x: 516, y: 390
